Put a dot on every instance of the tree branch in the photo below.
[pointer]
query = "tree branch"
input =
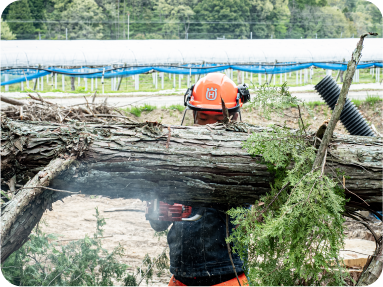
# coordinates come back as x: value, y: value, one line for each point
x: 352, y: 64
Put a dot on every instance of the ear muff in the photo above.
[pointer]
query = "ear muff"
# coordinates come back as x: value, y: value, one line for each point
x: 244, y: 93
x: 188, y: 94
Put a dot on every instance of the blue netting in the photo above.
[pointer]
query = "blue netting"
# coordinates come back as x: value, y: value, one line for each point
x: 110, y: 72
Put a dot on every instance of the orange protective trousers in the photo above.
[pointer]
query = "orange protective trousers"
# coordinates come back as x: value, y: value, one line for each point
x: 231, y: 282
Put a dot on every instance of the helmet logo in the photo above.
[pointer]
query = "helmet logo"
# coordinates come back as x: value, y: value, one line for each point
x: 211, y: 94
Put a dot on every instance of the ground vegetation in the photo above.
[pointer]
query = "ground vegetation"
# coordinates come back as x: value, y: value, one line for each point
x: 147, y: 83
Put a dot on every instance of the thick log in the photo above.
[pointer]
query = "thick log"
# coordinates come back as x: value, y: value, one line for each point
x: 203, y: 165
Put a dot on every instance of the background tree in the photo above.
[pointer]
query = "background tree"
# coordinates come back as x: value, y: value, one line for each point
x: 201, y: 19
x: 19, y: 17
x: 5, y: 12
x: 176, y: 12
x: 6, y: 33
x: 83, y: 19
x: 270, y: 18
x: 38, y: 8
x: 224, y: 18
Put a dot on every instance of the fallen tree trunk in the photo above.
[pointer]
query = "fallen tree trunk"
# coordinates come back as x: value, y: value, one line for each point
x: 20, y: 214
x: 203, y: 165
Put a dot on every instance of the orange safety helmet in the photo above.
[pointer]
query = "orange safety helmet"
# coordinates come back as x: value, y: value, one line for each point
x: 206, y: 94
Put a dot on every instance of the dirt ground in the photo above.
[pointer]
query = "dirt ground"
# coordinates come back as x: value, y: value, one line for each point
x: 73, y: 218
x: 372, y: 113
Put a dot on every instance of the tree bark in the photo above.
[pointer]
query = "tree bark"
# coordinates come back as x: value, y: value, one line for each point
x: 202, y: 165
x: 72, y: 87
x: 198, y: 166
x: 16, y: 216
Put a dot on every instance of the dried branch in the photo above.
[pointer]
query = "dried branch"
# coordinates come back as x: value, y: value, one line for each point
x: 352, y: 64
x: 11, y: 101
x: 40, y: 98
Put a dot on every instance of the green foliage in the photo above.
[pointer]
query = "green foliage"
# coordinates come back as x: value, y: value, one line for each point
x: 357, y: 102
x: 138, y: 110
x: 148, y: 108
x: 151, y: 266
x: 6, y: 33
x: 135, y: 111
x: 372, y: 100
x: 201, y: 19
x: 268, y: 99
x: 82, y: 18
x: 41, y: 261
x: 19, y: 11
x: 293, y: 234
x: 220, y: 13
x: 80, y: 89
x: 5, y: 197
x: 177, y: 107
x: 37, y: 8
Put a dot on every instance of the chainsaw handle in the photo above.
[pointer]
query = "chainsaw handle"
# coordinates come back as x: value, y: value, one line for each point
x: 197, y: 216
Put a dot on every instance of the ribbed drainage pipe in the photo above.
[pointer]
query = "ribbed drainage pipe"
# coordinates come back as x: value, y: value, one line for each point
x: 350, y: 117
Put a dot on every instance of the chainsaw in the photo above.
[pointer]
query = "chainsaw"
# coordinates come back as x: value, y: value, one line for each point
x: 159, y: 210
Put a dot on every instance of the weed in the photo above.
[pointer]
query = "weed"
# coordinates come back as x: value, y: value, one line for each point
x: 138, y: 110
x: 315, y: 104
x: 178, y: 107
x: 148, y: 108
x: 82, y: 262
x: 80, y: 89
x: 372, y: 100
x: 357, y: 102
x: 135, y: 111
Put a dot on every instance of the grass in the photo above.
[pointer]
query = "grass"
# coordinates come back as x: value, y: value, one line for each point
x: 315, y: 104
x: 357, y: 102
x: 138, y: 110
x: 146, y: 82
x: 178, y: 107
x: 372, y: 100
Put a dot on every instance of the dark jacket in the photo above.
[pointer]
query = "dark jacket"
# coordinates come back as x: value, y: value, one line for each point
x: 198, y: 248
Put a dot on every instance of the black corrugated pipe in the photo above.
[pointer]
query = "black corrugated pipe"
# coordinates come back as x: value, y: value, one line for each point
x: 350, y: 117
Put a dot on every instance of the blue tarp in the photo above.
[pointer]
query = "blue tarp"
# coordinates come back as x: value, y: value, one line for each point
x: 109, y: 72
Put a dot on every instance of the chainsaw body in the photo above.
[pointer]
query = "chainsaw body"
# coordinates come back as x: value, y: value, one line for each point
x: 158, y: 210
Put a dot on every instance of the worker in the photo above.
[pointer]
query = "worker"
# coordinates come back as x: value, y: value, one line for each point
x: 198, y: 250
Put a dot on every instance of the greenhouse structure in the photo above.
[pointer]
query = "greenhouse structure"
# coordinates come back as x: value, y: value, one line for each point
x: 22, y: 61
